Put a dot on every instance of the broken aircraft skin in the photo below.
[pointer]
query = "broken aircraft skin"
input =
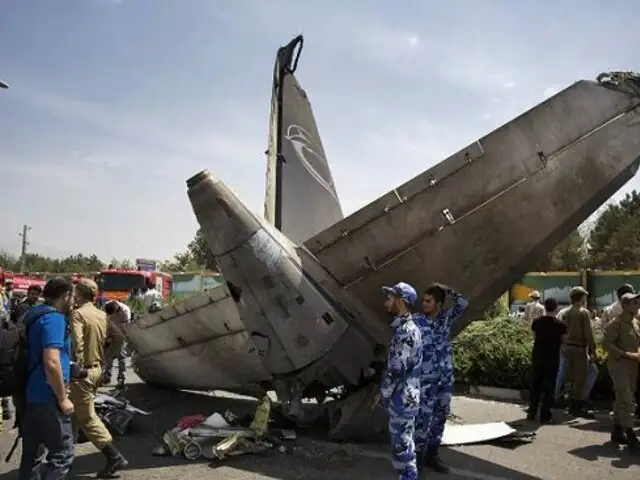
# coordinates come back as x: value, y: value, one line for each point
x: 303, y: 310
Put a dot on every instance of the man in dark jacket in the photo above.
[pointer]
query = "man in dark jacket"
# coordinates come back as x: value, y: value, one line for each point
x: 548, y: 331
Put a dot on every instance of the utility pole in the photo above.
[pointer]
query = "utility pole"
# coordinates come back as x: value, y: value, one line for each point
x: 23, y: 251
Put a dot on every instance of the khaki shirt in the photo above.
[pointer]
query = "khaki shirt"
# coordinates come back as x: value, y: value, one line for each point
x: 115, y: 331
x: 533, y: 310
x: 89, y: 333
x: 579, y: 332
x: 622, y: 335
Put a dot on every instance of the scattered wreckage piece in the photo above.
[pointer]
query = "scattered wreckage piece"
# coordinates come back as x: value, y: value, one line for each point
x: 193, y: 433
x: 115, y: 412
x: 353, y: 418
x: 455, y: 434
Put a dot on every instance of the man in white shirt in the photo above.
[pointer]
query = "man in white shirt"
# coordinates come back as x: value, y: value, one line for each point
x: 612, y: 311
x: 118, y: 315
x: 534, y: 308
x: 151, y: 295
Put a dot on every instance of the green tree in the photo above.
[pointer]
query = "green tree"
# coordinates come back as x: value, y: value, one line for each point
x: 568, y: 255
x: 35, y: 262
x: 125, y: 264
x: 200, y: 252
x: 614, y: 241
x: 196, y: 257
x: 181, y: 262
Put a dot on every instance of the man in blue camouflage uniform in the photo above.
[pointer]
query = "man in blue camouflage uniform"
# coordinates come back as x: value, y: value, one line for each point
x: 436, y: 378
x: 400, y: 384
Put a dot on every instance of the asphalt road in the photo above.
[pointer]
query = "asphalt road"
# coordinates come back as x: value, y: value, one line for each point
x: 573, y: 449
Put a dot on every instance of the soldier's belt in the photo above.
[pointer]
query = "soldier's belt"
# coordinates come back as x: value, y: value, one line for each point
x: 574, y: 344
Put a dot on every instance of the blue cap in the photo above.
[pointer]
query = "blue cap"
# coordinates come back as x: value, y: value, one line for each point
x: 405, y: 291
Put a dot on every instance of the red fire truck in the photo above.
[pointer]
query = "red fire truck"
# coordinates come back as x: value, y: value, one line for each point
x: 117, y: 284
x: 21, y: 283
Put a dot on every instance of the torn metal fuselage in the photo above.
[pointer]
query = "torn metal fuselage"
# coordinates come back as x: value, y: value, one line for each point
x: 290, y: 307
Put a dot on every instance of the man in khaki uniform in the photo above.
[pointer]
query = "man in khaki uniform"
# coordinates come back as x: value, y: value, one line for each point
x: 89, y: 331
x: 579, y: 347
x: 118, y: 316
x: 622, y: 342
x: 534, y: 308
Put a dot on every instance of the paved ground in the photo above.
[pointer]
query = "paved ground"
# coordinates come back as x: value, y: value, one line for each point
x: 575, y: 449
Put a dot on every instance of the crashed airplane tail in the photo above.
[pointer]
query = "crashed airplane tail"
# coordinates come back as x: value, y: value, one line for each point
x: 301, y: 198
x: 483, y: 217
x: 304, y: 314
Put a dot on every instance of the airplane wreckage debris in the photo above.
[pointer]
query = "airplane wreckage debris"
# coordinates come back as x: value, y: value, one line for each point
x: 115, y: 412
x: 219, y: 437
x: 300, y: 312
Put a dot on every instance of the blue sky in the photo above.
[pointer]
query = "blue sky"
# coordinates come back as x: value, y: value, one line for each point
x: 114, y: 103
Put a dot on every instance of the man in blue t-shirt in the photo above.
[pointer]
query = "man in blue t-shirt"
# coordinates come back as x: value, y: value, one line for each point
x: 48, y: 410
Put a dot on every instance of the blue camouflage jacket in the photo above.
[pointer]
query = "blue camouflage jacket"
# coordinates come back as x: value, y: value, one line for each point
x: 437, y: 358
x: 400, y: 385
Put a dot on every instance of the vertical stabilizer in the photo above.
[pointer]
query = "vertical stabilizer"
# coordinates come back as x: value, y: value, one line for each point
x: 301, y: 198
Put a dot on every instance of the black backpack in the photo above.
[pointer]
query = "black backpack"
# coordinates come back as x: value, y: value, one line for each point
x: 14, y: 362
x: 14, y: 355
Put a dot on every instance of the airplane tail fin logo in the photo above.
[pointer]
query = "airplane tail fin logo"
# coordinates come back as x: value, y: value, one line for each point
x: 306, y: 151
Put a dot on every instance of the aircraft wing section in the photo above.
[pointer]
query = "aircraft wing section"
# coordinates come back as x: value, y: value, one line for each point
x: 483, y: 217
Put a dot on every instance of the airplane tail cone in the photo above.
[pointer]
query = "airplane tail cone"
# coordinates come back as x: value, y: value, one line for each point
x: 226, y: 223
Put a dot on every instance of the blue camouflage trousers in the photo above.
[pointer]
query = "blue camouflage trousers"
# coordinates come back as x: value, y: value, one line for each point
x: 435, y: 404
x: 403, y: 453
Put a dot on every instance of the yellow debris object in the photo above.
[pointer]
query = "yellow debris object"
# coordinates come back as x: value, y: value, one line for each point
x: 239, y: 443
x: 260, y: 423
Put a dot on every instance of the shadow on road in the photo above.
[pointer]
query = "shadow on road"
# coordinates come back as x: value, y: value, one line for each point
x: 620, y: 457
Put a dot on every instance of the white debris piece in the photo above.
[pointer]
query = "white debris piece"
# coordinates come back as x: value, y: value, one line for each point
x: 215, y: 421
x: 475, y: 433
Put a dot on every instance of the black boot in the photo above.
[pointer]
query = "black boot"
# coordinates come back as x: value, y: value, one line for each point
x: 578, y: 409
x: 434, y: 462
x: 115, y: 462
x: 420, y: 462
x: 632, y: 441
x: 617, y: 435
x: 6, y: 409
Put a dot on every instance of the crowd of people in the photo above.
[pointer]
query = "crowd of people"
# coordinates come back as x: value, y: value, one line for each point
x: 565, y: 349
x: 72, y: 343
x: 417, y: 383
x: 72, y: 338
x: 535, y: 309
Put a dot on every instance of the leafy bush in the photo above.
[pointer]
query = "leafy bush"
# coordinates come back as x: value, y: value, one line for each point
x: 495, y: 352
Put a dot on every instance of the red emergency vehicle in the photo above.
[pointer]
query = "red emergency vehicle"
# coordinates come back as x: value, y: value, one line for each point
x: 21, y: 283
x: 117, y: 284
